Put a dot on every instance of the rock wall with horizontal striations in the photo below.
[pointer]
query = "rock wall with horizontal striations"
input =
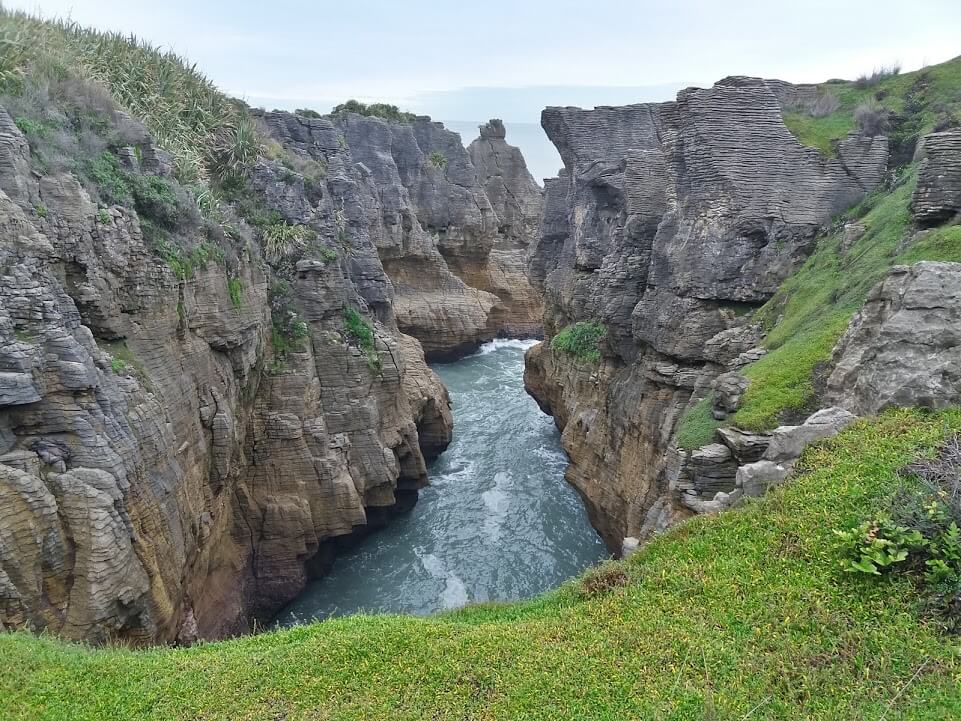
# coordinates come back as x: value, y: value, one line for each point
x: 937, y: 198
x: 168, y: 468
x: 667, y: 222
x: 456, y: 262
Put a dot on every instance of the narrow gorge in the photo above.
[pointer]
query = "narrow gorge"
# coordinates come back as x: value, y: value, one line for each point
x: 260, y: 367
x: 193, y: 410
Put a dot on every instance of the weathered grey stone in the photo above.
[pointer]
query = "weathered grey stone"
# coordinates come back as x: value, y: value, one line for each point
x: 904, y: 347
x: 788, y: 442
x: 746, y: 447
x: 754, y: 479
x: 728, y: 389
x: 668, y: 221
x: 164, y: 474
x: 851, y: 234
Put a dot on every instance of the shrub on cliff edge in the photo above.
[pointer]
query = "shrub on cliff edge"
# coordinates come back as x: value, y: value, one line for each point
x: 581, y: 340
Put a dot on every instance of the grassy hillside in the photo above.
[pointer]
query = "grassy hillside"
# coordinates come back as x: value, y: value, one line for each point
x: 812, y: 309
x: 210, y: 135
x: 743, y: 615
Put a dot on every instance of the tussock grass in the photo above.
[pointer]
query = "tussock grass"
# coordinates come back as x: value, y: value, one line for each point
x: 748, y: 612
x: 208, y: 133
x: 917, y: 102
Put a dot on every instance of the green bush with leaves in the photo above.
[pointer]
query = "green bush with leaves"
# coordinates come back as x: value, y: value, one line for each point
x: 877, y: 546
x: 919, y: 534
x: 437, y: 159
x: 360, y: 332
x: 581, y: 340
x: 377, y: 110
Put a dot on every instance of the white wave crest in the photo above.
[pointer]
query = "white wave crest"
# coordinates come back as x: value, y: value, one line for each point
x: 498, y: 343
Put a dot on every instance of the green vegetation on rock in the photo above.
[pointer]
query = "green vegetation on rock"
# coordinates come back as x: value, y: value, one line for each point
x: 747, y: 614
x: 697, y: 425
x: 916, y: 103
x: 360, y: 332
x: 377, y: 110
x: 812, y: 308
x: 235, y: 289
x: 581, y: 340
x: 208, y: 134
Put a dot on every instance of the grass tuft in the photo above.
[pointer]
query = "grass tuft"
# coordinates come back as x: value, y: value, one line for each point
x: 581, y: 340
x: 697, y: 425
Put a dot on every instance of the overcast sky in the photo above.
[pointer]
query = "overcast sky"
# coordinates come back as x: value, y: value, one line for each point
x: 460, y: 60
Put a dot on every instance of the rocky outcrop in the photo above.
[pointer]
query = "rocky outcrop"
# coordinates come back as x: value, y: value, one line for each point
x: 667, y: 223
x: 719, y: 476
x: 904, y: 347
x: 169, y: 468
x: 518, y: 204
x: 937, y: 198
x: 456, y: 259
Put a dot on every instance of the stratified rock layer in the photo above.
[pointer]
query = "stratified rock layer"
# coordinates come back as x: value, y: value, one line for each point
x: 165, y: 472
x: 451, y: 228
x: 937, y: 198
x: 667, y: 222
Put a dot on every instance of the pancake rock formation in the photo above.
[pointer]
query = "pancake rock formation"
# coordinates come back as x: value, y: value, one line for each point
x: 666, y: 223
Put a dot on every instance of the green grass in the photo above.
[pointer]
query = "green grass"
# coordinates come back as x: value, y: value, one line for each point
x: 581, y: 340
x: 743, y: 615
x: 360, y: 332
x: 812, y: 309
x: 235, y: 289
x: 698, y: 424
x: 922, y: 98
x: 820, y: 133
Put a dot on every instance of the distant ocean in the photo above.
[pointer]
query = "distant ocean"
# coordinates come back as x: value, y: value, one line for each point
x: 540, y: 154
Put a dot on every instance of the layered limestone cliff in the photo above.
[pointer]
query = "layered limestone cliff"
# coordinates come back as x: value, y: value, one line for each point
x: 188, y: 426
x: 667, y: 223
x: 452, y: 229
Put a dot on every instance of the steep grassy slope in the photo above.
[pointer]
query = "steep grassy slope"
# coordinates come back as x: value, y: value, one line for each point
x: 812, y: 308
x: 743, y: 615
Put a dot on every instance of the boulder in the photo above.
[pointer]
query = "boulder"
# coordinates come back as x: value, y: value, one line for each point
x: 788, y: 442
x: 904, y: 347
x: 728, y: 389
x: 754, y: 479
x: 746, y: 447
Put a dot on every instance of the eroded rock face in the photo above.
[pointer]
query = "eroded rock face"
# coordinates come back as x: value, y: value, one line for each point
x: 937, y: 199
x: 904, y: 346
x: 164, y: 472
x: 451, y: 228
x: 668, y: 221
x: 518, y: 204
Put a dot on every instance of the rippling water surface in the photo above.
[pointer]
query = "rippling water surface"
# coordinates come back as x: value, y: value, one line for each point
x: 498, y: 521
